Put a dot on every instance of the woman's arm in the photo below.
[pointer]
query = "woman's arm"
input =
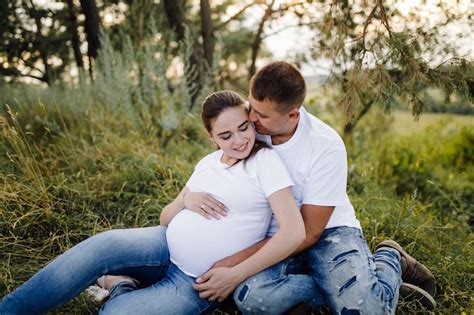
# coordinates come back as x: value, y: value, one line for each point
x: 172, y: 209
x: 218, y: 283
x: 288, y: 237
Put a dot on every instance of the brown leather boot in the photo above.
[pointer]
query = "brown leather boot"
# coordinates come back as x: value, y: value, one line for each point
x: 419, y: 282
x: 412, y: 292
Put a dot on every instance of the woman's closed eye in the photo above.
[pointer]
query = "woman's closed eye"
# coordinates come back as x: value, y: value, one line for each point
x: 225, y: 136
x: 244, y: 127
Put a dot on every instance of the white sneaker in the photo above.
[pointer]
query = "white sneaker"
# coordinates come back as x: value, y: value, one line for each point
x: 97, y: 294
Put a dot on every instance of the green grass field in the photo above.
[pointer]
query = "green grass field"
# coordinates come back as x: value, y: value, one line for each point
x: 74, y: 166
x: 405, y: 123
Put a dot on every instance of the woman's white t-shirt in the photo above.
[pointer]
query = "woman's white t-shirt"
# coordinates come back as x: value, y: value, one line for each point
x: 196, y: 243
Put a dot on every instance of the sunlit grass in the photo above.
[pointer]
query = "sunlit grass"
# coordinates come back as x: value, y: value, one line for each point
x: 404, y: 122
x: 67, y: 175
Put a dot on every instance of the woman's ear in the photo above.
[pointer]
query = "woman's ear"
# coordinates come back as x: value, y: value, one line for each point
x: 212, y: 140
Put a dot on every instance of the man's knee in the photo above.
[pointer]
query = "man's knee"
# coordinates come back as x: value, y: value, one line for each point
x: 253, y: 298
x: 359, y: 296
x: 247, y: 301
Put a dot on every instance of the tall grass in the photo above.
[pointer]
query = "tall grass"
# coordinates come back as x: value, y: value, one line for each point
x: 75, y: 161
x: 418, y: 189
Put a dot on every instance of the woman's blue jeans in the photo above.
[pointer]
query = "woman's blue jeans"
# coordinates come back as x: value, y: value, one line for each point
x: 173, y: 294
x: 338, y: 271
x: 139, y: 253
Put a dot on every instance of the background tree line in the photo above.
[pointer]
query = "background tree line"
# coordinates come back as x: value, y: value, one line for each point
x: 379, y: 56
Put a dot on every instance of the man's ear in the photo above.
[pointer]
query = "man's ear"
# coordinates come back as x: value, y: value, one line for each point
x: 294, y: 114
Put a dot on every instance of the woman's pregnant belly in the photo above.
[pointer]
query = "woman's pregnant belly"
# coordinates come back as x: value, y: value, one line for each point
x: 196, y: 243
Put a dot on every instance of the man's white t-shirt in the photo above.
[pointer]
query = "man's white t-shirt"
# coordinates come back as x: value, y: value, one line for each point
x: 196, y: 243
x: 315, y: 157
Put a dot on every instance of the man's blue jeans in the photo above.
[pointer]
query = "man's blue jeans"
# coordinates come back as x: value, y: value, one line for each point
x: 338, y: 271
x: 139, y: 253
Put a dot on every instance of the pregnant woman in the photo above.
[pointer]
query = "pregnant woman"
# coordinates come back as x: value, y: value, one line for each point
x: 243, y: 174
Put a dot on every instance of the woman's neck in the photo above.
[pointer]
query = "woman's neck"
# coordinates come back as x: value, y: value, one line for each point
x: 228, y: 160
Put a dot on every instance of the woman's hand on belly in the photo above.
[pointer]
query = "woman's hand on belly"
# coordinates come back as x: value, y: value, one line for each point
x: 217, y: 283
x: 204, y: 204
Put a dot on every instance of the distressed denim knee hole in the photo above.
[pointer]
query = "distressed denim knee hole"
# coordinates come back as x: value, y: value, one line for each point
x: 345, y: 254
x: 243, y: 293
x: 347, y: 285
x: 346, y: 311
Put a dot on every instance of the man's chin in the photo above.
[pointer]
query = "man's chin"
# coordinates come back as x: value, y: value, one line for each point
x: 262, y: 131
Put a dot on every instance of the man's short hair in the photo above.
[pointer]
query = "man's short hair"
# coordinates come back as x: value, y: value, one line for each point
x: 281, y: 83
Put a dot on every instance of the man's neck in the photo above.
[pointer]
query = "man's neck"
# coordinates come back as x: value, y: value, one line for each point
x: 279, y: 139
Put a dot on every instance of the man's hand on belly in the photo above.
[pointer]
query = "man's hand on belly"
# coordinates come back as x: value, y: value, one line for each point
x: 217, y: 283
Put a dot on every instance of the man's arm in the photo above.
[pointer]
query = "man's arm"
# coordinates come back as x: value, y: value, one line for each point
x: 239, y: 257
x: 315, y: 220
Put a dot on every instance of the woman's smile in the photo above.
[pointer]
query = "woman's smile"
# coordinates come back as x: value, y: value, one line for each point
x: 242, y: 148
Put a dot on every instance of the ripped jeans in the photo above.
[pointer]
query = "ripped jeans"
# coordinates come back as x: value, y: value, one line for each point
x: 338, y: 272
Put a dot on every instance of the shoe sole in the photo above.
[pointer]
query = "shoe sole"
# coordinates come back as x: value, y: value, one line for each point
x: 412, y: 292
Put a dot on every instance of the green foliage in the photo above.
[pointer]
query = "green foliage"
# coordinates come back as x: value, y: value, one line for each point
x: 418, y: 189
x: 32, y: 40
x: 383, y: 57
x: 438, y: 174
x: 131, y: 92
x: 71, y: 171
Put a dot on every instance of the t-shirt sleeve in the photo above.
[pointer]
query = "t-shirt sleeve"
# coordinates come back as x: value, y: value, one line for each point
x: 327, y: 180
x: 194, y: 181
x: 271, y: 172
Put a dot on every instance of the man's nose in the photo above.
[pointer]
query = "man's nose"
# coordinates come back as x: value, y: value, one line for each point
x: 253, y: 116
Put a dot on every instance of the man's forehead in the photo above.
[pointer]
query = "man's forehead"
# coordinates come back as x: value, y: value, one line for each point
x: 261, y: 106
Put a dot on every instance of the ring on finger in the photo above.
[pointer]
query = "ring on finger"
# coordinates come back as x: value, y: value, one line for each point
x: 202, y: 206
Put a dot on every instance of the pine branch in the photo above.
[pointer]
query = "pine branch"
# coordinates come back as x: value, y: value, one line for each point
x: 288, y: 27
x: 235, y: 16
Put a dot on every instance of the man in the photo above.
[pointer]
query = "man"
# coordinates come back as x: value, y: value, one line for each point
x: 333, y: 266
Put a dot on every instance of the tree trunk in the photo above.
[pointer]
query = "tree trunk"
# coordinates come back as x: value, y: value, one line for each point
x: 92, y: 28
x: 207, y: 31
x: 42, y: 52
x: 175, y: 17
x: 176, y: 20
x: 258, y: 39
x: 139, y: 9
x: 75, y: 35
x: 350, y: 125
